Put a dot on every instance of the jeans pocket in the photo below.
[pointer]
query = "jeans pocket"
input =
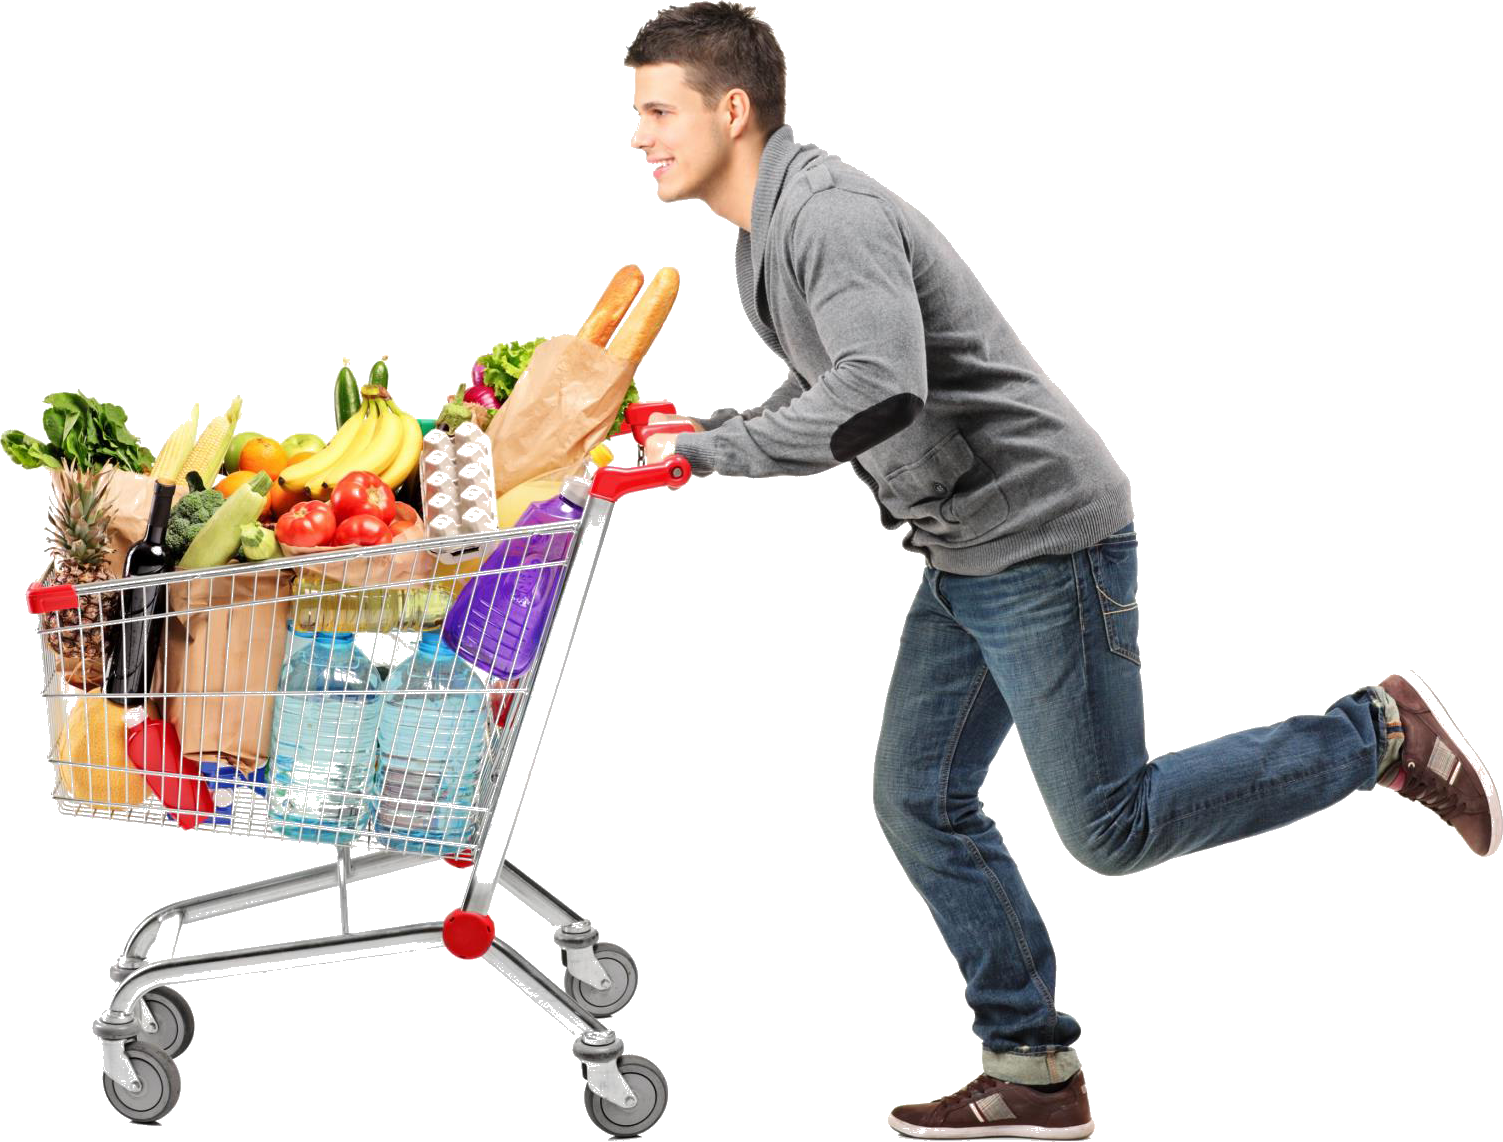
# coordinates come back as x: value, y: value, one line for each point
x: 1114, y: 571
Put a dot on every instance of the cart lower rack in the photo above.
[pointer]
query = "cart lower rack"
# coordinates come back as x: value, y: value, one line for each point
x: 369, y: 698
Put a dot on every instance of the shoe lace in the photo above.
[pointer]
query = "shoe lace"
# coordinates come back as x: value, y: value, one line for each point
x: 1442, y: 798
x: 971, y: 1089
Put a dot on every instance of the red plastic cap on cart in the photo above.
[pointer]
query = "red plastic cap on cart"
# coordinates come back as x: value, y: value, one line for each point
x: 639, y: 412
x: 468, y: 934
x: 42, y: 600
x: 463, y: 860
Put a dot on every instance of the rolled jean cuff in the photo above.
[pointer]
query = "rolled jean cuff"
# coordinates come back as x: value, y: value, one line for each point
x: 1033, y: 1066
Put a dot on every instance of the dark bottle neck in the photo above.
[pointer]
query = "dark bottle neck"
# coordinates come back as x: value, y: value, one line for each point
x: 161, y: 509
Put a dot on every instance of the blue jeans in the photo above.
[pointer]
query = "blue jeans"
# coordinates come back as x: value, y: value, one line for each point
x: 1051, y: 644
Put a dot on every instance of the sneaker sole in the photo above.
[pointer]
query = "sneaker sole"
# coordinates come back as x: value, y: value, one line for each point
x: 996, y: 1130
x: 1495, y: 813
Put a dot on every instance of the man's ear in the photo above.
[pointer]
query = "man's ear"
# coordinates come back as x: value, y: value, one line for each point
x: 738, y: 109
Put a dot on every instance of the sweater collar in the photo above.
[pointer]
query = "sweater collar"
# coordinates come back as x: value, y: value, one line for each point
x: 778, y: 155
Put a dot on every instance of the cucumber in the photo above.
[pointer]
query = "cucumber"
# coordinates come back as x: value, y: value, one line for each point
x: 218, y: 540
x: 346, y: 395
x: 378, y: 373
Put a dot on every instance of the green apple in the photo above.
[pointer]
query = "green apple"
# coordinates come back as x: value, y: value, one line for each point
x: 232, y: 457
x: 303, y: 442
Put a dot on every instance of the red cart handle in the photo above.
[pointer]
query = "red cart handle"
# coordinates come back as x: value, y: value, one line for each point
x: 613, y: 483
x: 639, y: 411
x: 643, y: 431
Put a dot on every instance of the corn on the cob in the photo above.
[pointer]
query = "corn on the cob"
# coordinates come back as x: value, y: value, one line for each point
x: 208, y: 453
x: 174, y: 454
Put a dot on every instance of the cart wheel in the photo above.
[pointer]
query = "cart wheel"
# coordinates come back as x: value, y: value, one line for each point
x: 651, y: 1089
x: 160, y: 1084
x: 174, y: 1021
x: 622, y: 970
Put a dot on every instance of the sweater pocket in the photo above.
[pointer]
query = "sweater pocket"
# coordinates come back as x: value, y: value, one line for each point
x: 948, y: 492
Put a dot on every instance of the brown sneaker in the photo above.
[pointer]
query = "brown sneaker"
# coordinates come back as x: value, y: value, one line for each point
x: 1438, y: 767
x: 991, y: 1108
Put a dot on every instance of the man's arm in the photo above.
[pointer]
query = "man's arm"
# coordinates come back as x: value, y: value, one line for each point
x: 785, y: 392
x: 850, y: 260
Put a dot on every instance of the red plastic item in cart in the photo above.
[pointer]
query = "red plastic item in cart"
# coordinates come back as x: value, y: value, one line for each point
x: 153, y: 747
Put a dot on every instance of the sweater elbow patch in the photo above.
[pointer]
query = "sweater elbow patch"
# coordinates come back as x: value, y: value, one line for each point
x: 874, y: 425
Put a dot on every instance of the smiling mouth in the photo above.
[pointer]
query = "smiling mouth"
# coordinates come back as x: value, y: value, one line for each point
x: 659, y: 168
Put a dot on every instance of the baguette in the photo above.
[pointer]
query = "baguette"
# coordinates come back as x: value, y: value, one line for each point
x: 612, y: 306
x: 639, y: 330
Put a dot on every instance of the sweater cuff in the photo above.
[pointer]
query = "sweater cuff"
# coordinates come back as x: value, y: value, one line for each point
x: 699, y: 449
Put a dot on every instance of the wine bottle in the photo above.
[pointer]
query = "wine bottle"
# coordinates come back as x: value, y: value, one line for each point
x: 142, y: 609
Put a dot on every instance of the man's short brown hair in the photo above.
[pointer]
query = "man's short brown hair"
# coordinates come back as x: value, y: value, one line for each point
x: 719, y: 46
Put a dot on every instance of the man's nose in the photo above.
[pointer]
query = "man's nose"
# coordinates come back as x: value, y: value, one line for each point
x: 639, y: 138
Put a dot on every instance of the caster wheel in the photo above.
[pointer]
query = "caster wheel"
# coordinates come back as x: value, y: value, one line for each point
x: 174, y: 1020
x: 622, y: 970
x: 651, y: 1089
x: 160, y: 1084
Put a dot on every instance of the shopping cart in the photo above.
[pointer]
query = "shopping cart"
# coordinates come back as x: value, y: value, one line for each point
x: 319, y: 700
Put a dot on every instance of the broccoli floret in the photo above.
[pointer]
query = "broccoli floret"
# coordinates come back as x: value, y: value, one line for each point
x: 188, y: 515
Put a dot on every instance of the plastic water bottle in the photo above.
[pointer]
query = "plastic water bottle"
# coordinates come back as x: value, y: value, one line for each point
x: 324, y: 741
x: 430, y: 745
x: 497, y: 621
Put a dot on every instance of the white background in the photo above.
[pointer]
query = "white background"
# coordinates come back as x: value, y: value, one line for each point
x: 1257, y: 246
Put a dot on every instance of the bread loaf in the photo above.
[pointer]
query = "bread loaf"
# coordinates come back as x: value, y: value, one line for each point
x: 638, y: 331
x: 612, y: 306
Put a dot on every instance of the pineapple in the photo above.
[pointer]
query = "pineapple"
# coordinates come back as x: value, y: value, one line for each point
x: 78, y: 524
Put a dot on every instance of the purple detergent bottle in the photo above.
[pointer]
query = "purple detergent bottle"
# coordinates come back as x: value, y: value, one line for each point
x: 496, y: 624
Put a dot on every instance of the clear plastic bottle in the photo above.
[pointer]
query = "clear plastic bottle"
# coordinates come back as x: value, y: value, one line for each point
x: 431, y: 743
x: 497, y: 620
x: 324, y: 738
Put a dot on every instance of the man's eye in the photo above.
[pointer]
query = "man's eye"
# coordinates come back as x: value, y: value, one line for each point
x: 658, y: 111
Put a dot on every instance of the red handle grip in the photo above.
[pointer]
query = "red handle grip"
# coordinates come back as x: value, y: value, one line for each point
x: 643, y: 431
x: 638, y: 412
x: 613, y: 483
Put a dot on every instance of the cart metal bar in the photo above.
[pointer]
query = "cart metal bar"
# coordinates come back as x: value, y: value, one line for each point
x: 540, y: 989
x: 261, y: 892
x: 298, y: 953
x: 536, y: 897
x: 490, y: 848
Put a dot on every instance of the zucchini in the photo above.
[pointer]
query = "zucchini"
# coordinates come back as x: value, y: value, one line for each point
x: 346, y: 395
x: 379, y: 374
x: 218, y: 540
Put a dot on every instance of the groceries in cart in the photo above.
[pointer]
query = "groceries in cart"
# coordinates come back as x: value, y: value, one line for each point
x: 322, y: 636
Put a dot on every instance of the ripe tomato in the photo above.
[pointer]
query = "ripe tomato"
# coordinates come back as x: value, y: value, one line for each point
x: 308, y: 524
x: 365, y: 529
x: 361, y: 493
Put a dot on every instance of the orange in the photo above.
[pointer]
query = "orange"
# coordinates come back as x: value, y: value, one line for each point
x: 263, y: 454
x: 226, y: 487
x: 281, y: 499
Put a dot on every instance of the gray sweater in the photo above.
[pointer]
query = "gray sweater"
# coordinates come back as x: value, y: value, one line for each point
x: 900, y: 364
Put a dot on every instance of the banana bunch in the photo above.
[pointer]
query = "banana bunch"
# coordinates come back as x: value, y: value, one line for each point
x: 379, y: 438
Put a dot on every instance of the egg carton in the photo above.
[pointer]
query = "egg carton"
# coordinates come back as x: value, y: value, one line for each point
x: 459, y: 482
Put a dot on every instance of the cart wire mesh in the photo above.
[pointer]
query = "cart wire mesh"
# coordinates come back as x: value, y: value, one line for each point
x: 359, y: 696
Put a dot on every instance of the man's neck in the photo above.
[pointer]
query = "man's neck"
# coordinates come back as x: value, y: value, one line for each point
x: 732, y: 198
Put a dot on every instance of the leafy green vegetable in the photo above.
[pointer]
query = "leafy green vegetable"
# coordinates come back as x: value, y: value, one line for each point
x: 505, y: 364
x: 631, y: 398
x: 89, y: 434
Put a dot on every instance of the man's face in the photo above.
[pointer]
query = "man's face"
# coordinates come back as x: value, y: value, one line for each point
x: 674, y: 124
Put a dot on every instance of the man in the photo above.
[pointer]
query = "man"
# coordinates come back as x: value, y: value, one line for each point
x: 900, y: 364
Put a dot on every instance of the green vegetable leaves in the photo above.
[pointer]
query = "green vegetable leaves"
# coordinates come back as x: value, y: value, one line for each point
x: 87, y: 433
x: 505, y: 364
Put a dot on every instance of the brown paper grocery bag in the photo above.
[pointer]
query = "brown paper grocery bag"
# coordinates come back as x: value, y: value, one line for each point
x: 563, y: 405
x: 225, y: 635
